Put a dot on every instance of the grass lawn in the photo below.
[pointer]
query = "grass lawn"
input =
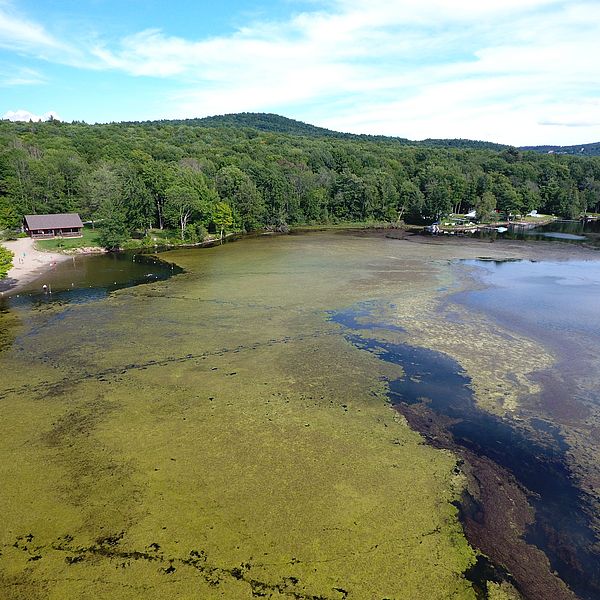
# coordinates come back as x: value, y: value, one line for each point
x: 90, y: 238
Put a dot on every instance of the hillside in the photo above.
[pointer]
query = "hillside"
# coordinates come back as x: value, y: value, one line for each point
x: 579, y: 150
x: 261, y: 121
x: 273, y: 123
x: 252, y: 171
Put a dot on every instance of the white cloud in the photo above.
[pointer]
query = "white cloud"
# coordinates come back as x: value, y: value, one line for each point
x: 501, y: 69
x: 18, y: 33
x: 25, y: 115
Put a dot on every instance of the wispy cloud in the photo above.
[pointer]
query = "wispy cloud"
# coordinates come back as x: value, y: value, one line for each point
x: 496, y: 69
x: 11, y: 75
x: 19, y: 33
x: 570, y: 124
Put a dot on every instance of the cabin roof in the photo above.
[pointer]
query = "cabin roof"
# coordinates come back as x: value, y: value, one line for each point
x: 57, y: 221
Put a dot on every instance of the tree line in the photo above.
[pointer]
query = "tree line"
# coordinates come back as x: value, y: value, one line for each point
x: 189, y: 177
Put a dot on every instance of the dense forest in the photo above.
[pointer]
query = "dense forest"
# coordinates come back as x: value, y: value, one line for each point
x: 264, y: 171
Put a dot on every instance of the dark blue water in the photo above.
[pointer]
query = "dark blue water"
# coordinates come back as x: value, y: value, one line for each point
x: 89, y: 278
x: 363, y: 316
x: 562, y: 528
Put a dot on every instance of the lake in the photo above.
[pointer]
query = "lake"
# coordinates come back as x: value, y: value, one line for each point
x: 561, y: 230
x: 230, y: 431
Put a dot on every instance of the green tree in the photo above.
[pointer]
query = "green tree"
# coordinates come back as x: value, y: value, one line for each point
x: 410, y: 199
x: 315, y: 205
x: 384, y: 197
x: 103, y: 189
x: 235, y: 187
x: 158, y: 178
x: 113, y: 225
x: 113, y: 231
x: 188, y: 198
x: 181, y: 204
x: 274, y: 179
x: 351, y: 198
x: 222, y: 217
x: 6, y: 257
x: 9, y: 217
x: 137, y: 200
x: 485, y: 205
x: 507, y: 197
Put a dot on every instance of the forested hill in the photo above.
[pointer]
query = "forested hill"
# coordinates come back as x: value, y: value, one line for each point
x: 278, y: 124
x: 262, y: 122
x: 191, y: 175
x: 580, y: 150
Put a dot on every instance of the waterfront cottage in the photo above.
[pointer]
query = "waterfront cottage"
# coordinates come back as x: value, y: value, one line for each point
x: 51, y: 226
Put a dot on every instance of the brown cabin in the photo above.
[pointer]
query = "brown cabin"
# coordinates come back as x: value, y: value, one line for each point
x: 52, y: 226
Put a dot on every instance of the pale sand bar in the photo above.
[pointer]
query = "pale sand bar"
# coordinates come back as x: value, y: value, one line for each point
x: 28, y: 264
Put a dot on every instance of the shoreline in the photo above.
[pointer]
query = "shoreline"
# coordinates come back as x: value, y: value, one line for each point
x: 37, y: 262
x: 29, y: 264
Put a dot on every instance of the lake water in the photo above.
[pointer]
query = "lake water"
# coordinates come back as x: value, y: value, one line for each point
x: 557, y: 303
x: 562, y: 231
x: 87, y: 278
x: 228, y: 430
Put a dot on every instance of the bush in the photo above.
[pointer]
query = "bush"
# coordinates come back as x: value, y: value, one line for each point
x: 6, y: 258
x: 195, y: 233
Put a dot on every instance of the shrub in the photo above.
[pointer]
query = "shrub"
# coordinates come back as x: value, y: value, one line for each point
x: 6, y: 258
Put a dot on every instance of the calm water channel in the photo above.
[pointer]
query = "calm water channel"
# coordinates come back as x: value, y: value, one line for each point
x: 145, y: 413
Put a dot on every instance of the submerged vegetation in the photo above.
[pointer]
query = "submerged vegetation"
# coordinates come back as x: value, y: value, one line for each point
x: 224, y: 433
x: 216, y: 436
x: 248, y: 172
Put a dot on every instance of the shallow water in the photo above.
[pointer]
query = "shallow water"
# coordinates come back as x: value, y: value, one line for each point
x: 88, y: 278
x: 218, y: 431
x: 561, y: 231
x: 556, y: 302
x: 561, y: 529
x: 557, y: 296
x: 214, y: 435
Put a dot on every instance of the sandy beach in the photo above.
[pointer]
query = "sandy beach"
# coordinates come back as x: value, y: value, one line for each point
x: 28, y: 264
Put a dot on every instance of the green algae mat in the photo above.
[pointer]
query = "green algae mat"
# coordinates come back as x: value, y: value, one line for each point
x: 215, y: 435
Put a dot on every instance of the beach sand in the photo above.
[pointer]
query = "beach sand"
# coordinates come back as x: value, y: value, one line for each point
x: 28, y: 264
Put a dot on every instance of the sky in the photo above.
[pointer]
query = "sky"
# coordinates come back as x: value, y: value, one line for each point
x: 519, y: 72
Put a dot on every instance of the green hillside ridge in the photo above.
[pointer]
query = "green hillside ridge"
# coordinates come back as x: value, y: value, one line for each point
x: 237, y: 172
x: 278, y: 124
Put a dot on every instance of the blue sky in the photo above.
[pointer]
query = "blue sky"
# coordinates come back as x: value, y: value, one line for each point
x: 512, y: 71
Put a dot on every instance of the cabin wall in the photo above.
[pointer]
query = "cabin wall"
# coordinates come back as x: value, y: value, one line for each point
x: 54, y: 233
